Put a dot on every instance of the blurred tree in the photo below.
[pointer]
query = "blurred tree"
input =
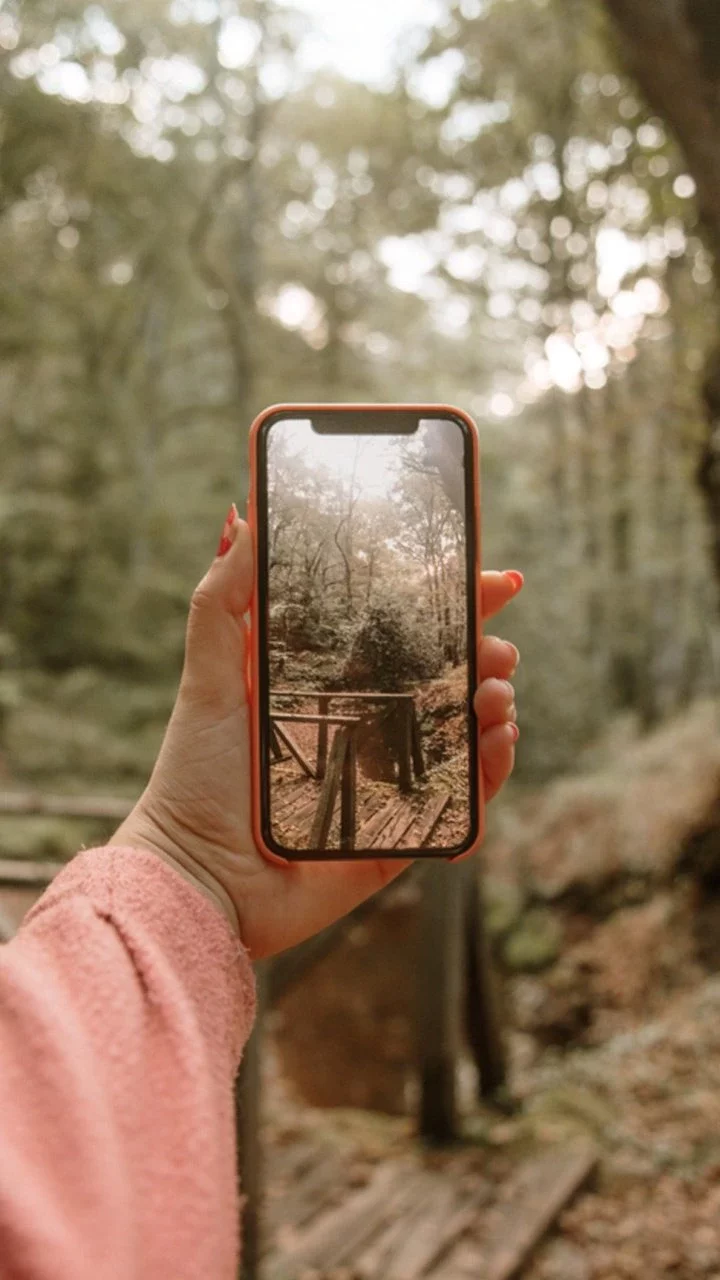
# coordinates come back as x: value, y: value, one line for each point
x: 194, y: 223
x: 674, y: 52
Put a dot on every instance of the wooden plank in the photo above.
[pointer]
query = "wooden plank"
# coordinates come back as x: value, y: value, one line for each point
x: 371, y: 830
x: 403, y: 736
x: 393, y: 832
x: 435, y: 1229
x: 419, y: 1245
x: 348, y: 796
x: 295, y: 751
x: 310, y: 1196
x: 299, y: 717
x: 340, y: 1232
x: 429, y: 819
x: 320, y: 828
x: 416, y: 744
x: 322, y: 743
x: 342, y: 693
x: 402, y: 1204
x: 287, y: 799
x: 368, y: 807
x: 305, y: 813
x: 544, y: 1188
x: 463, y: 1262
x: 23, y: 871
x: 458, y: 1223
x: 288, y: 1161
x: 34, y: 804
x: 275, y: 749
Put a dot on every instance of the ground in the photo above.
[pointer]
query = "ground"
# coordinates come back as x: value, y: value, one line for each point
x: 649, y: 1101
x: 604, y: 905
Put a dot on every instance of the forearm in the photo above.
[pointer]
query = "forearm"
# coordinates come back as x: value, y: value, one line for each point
x: 125, y: 1001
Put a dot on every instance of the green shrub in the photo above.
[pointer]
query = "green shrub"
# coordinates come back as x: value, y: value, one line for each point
x: 391, y: 651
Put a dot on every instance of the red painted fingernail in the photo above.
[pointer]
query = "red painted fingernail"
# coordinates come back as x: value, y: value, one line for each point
x: 225, y: 540
x: 515, y: 577
x: 514, y: 732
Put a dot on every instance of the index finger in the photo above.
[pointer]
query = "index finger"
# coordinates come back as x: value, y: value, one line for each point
x: 498, y: 589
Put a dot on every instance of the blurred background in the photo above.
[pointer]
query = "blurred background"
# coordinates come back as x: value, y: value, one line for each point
x: 207, y: 206
x: 210, y: 206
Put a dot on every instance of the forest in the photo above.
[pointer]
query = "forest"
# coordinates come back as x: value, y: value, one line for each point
x: 368, y: 602
x: 512, y: 206
x: 194, y: 226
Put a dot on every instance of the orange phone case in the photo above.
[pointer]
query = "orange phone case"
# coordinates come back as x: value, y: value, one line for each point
x: 426, y: 410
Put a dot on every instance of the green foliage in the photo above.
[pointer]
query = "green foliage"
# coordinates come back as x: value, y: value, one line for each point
x: 180, y: 245
x: 535, y: 943
x: 390, y: 652
x: 503, y: 904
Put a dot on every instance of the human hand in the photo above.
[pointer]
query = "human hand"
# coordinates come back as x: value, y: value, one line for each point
x: 196, y: 810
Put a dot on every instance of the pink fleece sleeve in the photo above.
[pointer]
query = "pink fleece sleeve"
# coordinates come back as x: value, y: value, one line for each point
x: 125, y: 1002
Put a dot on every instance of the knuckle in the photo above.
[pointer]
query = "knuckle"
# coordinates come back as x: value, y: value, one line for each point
x: 201, y: 599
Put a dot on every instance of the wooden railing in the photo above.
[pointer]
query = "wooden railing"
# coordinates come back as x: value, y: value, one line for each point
x: 456, y: 995
x: 400, y: 707
x: 336, y: 770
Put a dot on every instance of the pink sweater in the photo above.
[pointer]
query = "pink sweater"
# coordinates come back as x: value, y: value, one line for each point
x: 125, y: 1003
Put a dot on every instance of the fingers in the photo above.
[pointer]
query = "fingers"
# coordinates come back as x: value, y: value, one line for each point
x: 497, y: 757
x: 494, y: 703
x: 215, y: 652
x: 230, y: 577
x: 498, y: 589
x: 496, y: 658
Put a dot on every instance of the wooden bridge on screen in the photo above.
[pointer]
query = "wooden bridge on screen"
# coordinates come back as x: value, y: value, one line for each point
x: 326, y: 797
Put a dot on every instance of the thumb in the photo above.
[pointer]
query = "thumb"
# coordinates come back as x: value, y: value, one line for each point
x: 216, y: 641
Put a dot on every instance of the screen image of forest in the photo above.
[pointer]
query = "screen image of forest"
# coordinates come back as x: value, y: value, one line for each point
x: 367, y: 633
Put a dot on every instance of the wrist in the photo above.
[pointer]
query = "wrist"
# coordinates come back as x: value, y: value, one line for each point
x: 139, y: 831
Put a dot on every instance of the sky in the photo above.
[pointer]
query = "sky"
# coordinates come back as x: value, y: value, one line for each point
x: 372, y: 461
x: 364, y: 40
x: 359, y: 37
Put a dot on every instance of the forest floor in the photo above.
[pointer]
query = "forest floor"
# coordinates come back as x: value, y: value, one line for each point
x: 604, y: 903
x: 649, y: 1102
x: 603, y: 900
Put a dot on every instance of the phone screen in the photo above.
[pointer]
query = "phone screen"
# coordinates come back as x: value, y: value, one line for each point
x: 367, y: 614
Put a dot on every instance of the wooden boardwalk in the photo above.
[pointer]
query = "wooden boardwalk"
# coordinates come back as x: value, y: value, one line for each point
x: 384, y: 819
x: 328, y: 803
x: 415, y: 1216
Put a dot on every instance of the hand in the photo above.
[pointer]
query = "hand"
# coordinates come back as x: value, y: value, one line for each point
x: 195, y: 812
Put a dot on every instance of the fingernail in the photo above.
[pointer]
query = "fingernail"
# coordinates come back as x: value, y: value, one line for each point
x: 512, y: 713
x: 514, y: 654
x: 514, y: 732
x: 227, y: 537
x: 510, y: 689
x: 516, y: 578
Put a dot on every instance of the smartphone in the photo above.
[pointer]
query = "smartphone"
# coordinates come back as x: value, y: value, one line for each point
x: 365, y: 625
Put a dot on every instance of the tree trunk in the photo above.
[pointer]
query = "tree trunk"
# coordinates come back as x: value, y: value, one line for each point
x: 709, y: 466
x: 672, y: 48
